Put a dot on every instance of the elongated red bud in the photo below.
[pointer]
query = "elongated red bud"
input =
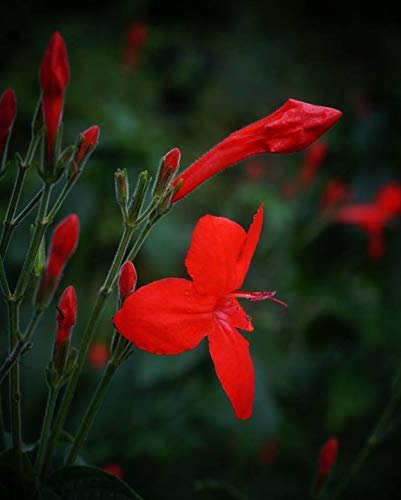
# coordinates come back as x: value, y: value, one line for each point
x: 8, y: 111
x: 168, y: 166
x: 66, y: 314
x: 135, y: 40
x: 327, y: 458
x: 127, y: 280
x: 291, y: 128
x: 54, y: 76
x: 89, y: 140
x: 63, y: 244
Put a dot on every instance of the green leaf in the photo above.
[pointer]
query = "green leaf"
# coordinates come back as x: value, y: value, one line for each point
x: 86, y: 483
x: 16, y: 476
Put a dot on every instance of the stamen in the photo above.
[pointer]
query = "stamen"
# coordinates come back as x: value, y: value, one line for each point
x: 256, y: 296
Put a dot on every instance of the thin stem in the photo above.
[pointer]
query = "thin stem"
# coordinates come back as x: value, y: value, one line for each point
x: 91, y: 412
x: 47, y: 420
x: 8, y: 226
x: 374, y: 439
x: 13, y: 311
x: 103, y: 295
x: 62, y: 196
x: 5, y: 289
x: 142, y: 237
x: 28, y: 208
x: 40, y: 228
x: 2, y: 426
x: 21, y: 345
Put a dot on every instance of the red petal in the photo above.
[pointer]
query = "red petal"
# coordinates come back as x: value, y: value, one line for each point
x: 249, y: 247
x: 213, y: 255
x: 229, y: 310
x: 234, y: 368
x: 165, y: 317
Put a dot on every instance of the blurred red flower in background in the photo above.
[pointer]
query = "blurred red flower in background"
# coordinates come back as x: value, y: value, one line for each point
x: 114, y: 469
x: 327, y: 458
x: 134, y: 42
x: 98, y: 355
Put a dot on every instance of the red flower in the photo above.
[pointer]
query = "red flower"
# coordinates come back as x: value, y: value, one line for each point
x: 67, y: 315
x: 63, y: 244
x: 313, y: 160
x: 335, y: 193
x: 372, y: 217
x: 114, y: 469
x: 327, y: 458
x: 98, y: 355
x: 127, y: 280
x: 89, y: 140
x: 291, y: 128
x: 54, y: 78
x: 173, y: 315
x: 8, y: 111
x: 135, y: 41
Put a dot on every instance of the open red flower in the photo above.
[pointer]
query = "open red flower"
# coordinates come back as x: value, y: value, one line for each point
x: 173, y: 315
x: 54, y: 77
x: 8, y: 110
x: 291, y: 128
x: 373, y: 217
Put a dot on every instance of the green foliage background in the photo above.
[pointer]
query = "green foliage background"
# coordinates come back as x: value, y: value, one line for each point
x: 323, y: 368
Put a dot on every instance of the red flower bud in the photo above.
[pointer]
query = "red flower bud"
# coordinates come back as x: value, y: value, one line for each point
x: 291, y: 128
x: 8, y: 111
x: 89, y: 140
x: 127, y: 280
x: 54, y: 77
x: 135, y: 41
x: 169, y: 165
x: 114, y: 469
x: 98, y: 355
x: 63, y: 244
x: 327, y: 458
x: 67, y: 314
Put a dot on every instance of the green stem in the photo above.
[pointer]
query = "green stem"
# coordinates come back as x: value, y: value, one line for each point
x: 2, y: 426
x: 28, y: 208
x: 62, y: 196
x: 103, y: 295
x: 20, y: 346
x: 5, y: 289
x: 374, y: 439
x: 47, y: 420
x: 8, y: 225
x: 40, y: 228
x: 13, y: 311
x: 91, y: 412
x: 142, y: 237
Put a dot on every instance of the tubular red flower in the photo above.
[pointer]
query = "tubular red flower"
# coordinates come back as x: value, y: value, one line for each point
x: 8, y: 111
x: 173, y: 315
x: 327, y: 458
x: 63, y: 244
x: 127, y: 280
x: 89, y: 139
x: 291, y: 128
x: 67, y: 314
x: 135, y: 40
x: 54, y: 77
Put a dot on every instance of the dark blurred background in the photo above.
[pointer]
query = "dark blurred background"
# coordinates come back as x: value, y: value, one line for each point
x: 325, y: 367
